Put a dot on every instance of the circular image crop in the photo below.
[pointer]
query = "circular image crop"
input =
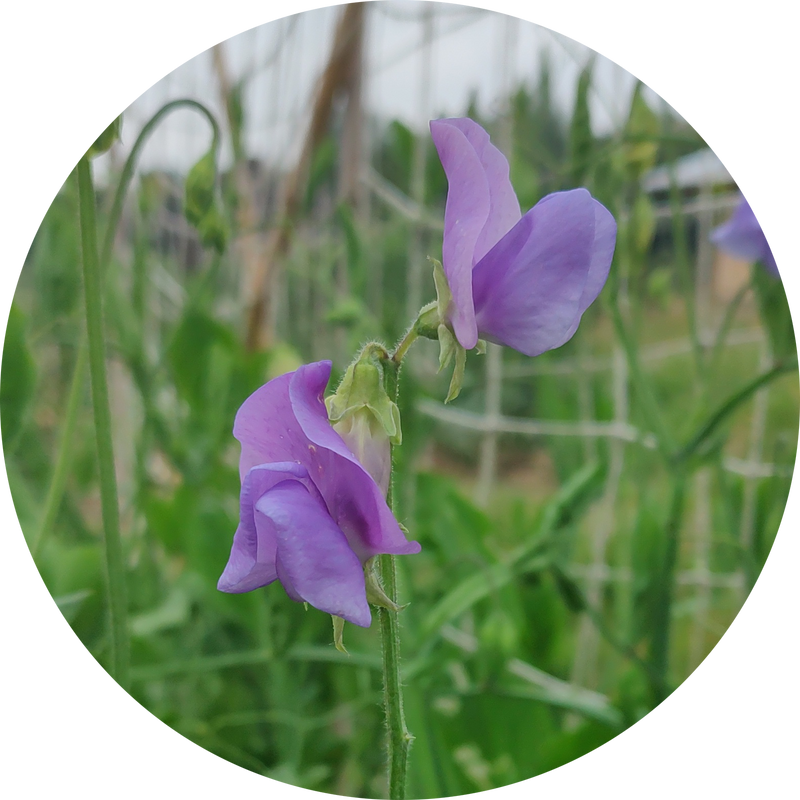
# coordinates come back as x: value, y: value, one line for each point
x: 399, y: 400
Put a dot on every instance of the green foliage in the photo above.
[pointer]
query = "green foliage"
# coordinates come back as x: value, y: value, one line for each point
x: 775, y: 315
x: 18, y: 377
x: 581, y: 140
x: 641, y: 136
x: 107, y: 138
x: 324, y: 165
x: 499, y: 595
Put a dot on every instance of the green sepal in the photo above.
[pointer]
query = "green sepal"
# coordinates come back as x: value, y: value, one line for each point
x: 338, y: 634
x: 213, y: 230
x: 443, y: 294
x: 375, y: 594
x: 362, y: 388
x: 428, y: 321
x: 458, y: 374
x: 447, y: 346
x: 480, y: 348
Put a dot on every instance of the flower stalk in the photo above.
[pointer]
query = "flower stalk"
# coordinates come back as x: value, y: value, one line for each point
x: 399, y: 737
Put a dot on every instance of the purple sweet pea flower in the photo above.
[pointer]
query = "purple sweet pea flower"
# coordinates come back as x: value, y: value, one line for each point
x: 741, y: 236
x: 310, y: 513
x: 519, y: 280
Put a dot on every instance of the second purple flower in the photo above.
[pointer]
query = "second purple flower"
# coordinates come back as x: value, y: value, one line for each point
x: 741, y: 236
x: 519, y: 280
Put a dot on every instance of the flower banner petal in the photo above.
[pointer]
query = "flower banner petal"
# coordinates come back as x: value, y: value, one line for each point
x: 504, y: 212
x: 466, y: 212
x: 266, y: 427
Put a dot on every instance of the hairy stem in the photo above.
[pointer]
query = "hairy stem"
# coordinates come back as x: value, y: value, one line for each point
x: 399, y: 737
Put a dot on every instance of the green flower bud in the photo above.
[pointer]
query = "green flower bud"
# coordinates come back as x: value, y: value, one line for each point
x: 104, y: 141
x: 364, y: 415
x: 213, y: 230
x: 199, y: 191
x: 200, y: 204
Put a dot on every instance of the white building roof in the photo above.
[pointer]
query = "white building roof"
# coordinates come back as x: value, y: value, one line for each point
x: 701, y: 168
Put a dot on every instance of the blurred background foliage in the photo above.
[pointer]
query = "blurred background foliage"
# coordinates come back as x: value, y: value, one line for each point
x: 546, y: 591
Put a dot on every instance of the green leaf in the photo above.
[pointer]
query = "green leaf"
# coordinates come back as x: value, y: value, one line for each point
x: 774, y: 310
x: 547, y: 688
x: 533, y: 556
x: 642, y: 225
x: 581, y: 140
x: 641, y: 135
x: 18, y: 379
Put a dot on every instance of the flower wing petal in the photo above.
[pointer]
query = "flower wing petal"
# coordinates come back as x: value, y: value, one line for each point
x: 353, y: 498
x: 315, y: 558
x: 605, y: 239
x: 530, y: 288
x: 251, y: 564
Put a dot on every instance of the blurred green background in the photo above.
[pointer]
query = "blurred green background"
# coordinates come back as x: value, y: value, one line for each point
x: 562, y: 590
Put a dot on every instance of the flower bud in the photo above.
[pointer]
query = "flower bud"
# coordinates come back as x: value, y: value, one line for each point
x: 365, y: 437
x: 363, y: 414
x: 104, y: 141
x: 200, y: 204
x: 199, y: 191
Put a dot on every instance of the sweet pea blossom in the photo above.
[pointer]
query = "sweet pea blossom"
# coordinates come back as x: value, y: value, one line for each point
x: 311, y: 515
x: 519, y: 280
x: 741, y: 236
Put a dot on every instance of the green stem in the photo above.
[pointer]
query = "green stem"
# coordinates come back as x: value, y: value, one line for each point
x: 730, y: 405
x: 684, y: 268
x: 55, y: 492
x: 643, y: 387
x: 724, y: 330
x: 130, y: 166
x: 662, y: 618
x: 399, y: 737
x: 58, y: 482
x: 102, y: 419
x: 403, y: 347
